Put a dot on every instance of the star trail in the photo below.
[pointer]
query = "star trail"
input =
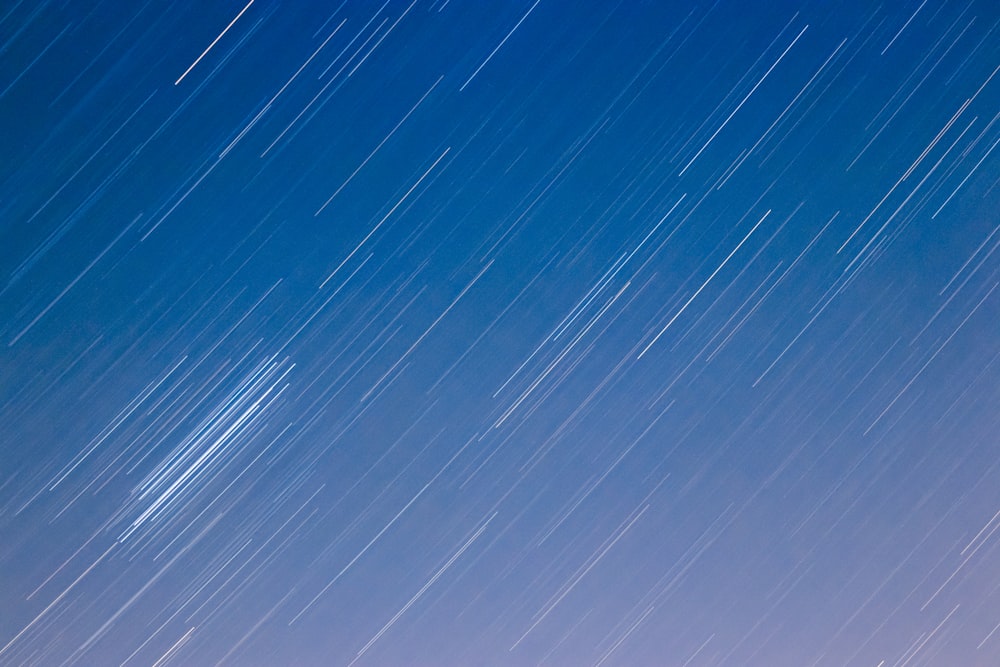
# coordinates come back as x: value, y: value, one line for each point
x: 441, y: 332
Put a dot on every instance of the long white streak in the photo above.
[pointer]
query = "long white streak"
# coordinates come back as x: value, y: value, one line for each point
x: 742, y: 102
x: 962, y: 553
x: 448, y: 309
x: 280, y: 91
x: 628, y: 633
x: 932, y: 357
x: 382, y: 38
x: 361, y: 553
x: 703, y: 285
x: 142, y: 591
x: 173, y: 649
x: 72, y: 284
x: 910, y: 20
x: 555, y: 363
x: 214, y: 41
x: 579, y: 576
x: 423, y: 590
x: 376, y: 149
x: 502, y: 42
x: 386, y: 216
x: 58, y: 598
x: 387, y: 526
x: 969, y: 175
x: 118, y: 421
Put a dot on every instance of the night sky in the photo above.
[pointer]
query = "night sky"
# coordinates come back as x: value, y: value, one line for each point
x: 467, y: 333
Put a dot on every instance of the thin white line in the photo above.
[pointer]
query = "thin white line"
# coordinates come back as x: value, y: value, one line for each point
x: 214, y: 41
x: 703, y: 285
x: 742, y: 102
x: 502, y: 42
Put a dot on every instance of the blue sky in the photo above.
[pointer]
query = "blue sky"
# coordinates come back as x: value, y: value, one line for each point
x: 464, y: 333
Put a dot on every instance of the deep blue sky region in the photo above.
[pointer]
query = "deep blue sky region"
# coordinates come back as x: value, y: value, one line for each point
x: 449, y: 332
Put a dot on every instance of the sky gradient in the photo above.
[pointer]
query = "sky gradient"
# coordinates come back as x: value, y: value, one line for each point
x: 500, y: 333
